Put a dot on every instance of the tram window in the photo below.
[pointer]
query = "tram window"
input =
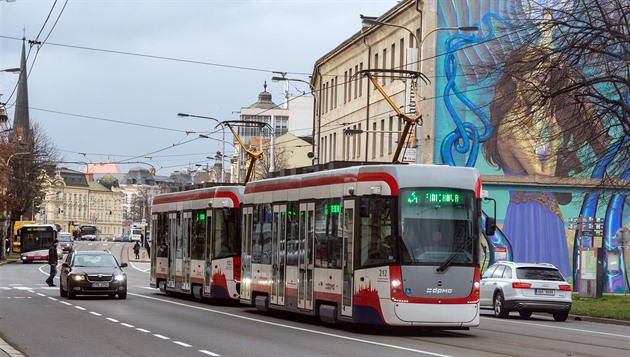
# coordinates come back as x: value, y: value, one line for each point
x: 179, y: 249
x: 261, y: 235
x: 197, y: 234
x: 162, y: 235
x: 377, y: 245
x: 225, y: 238
x: 328, y: 233
x: 292, y: 234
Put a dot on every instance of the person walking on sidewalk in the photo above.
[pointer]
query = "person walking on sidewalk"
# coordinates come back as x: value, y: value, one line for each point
x: 52, y: 261
x: 136, y: 250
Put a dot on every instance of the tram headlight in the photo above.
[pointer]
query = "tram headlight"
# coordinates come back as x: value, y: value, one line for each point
x: 395, y: 283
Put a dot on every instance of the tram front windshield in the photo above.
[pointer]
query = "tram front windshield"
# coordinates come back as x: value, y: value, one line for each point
x: 438, y: 226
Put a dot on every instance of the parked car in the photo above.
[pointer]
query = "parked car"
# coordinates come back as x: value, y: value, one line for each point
x: 66, y: 241
x: 125, y: 238
x: 39, y: 255
x: 92, y: 273
x: 526, y: 288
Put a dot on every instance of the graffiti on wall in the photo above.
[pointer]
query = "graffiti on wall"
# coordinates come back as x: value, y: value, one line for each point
x: 487, y: 117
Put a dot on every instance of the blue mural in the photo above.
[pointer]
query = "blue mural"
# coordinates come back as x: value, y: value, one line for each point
x: 482, y: 99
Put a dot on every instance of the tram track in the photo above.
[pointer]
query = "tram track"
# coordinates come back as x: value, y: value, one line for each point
x: 494, y: 339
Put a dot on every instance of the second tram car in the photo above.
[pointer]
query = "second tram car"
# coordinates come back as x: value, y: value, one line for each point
x: 381, y: 245
x: 197, y: 240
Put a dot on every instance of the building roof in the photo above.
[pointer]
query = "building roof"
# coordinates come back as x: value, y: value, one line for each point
x: 73, y: 178
x: 264, y: 100
x: 102, y: 168
x: 138, y: 176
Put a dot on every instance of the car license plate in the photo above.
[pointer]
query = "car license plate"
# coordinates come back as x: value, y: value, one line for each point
x: 100, y: 285
x: 544, y: 292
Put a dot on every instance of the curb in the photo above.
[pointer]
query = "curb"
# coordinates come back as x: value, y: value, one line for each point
x: 7, y: 350
x: 600, y: 320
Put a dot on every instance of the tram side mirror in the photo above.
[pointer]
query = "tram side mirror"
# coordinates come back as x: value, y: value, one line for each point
x: 364, y: 208
x: 491, y: 226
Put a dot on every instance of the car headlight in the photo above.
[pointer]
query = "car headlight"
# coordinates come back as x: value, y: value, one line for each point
x: 77, y: 277
x: 119, y: 277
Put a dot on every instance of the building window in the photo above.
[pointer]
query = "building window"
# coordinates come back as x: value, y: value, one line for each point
x: 350, y: 84
x: 334, y: 147
x: 336, y: 82
x: 401, y: 59
x: 384, y: 66
x: 391, y: 135
x: 360, y: 80
x: 359, y: 143
x: 382, y: 143
x: 375, y: 64
x: 393, y: 60
x: 373, y: 140
x: 345, y: 87
x: 354, y: 143
x: 356, y: 81
x: 326, y: 97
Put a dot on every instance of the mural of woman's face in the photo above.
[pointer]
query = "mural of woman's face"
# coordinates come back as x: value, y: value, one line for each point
x: 533, y: 84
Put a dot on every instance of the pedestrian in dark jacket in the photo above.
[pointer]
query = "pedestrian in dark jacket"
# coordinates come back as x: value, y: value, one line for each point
x: 136, y: 250
x: 52, y: 261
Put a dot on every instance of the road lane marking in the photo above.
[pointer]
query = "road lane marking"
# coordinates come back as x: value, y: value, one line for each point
x: 183, y: 344
x: 348, y: 338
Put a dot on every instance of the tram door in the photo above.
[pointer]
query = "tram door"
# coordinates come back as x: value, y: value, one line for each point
x: 278, y: 253
x: 246, y: 258
x: 207, y: 281
x: 348, y: 255
x: 305, y: 256
x: 172, y: 249
x: 186, y: 222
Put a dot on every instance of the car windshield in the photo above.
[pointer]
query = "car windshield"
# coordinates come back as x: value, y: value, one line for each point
x: 85, y: 260
x: 64, y: 238
x: 533, y: 273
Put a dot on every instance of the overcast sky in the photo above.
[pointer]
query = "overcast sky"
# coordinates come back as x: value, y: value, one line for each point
x: 111, y: 76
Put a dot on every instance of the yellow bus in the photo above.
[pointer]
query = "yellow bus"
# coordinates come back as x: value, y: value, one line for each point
x: 15, y: 240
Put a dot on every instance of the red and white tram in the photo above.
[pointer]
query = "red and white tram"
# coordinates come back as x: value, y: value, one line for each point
x: 196, y: 237
x: 382, y: 245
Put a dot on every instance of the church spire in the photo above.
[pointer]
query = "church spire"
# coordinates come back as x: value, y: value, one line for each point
x: 21, y: 118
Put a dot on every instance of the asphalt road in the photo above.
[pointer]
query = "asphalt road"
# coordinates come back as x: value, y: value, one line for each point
x: 37, y: 322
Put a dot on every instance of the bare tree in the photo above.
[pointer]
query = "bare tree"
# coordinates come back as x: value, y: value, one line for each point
x: 569, y: 82
x: 27, y: 160
x: 263, y: 163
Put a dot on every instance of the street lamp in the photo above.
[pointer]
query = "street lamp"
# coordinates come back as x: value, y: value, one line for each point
x: 316, y: 118
x: 184, y: 115
x: 370, y: 21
